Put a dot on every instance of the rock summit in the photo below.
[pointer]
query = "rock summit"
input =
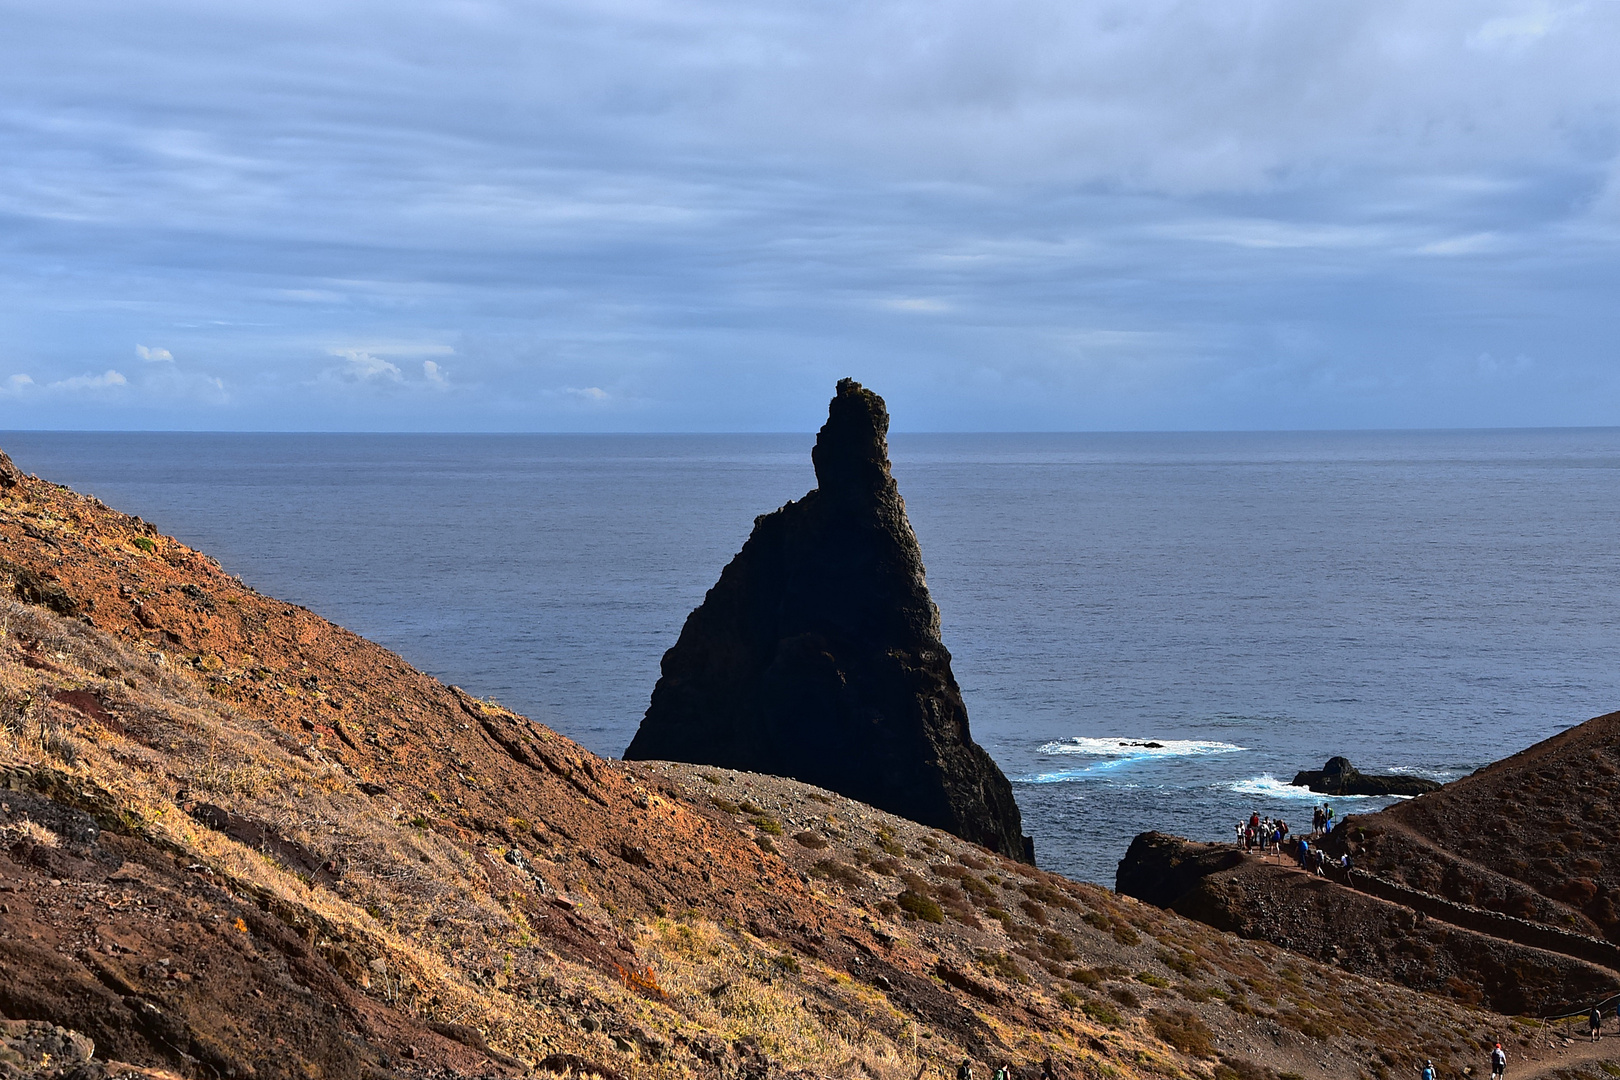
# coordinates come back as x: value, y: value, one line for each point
x: 817, y: 655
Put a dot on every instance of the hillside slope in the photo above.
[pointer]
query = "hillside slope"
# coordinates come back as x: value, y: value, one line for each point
x: 1501, y: 887
x: 241, y: 841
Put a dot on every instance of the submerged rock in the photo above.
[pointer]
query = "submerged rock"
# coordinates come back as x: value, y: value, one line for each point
x: 817, y: 655
x: 1339, y: 777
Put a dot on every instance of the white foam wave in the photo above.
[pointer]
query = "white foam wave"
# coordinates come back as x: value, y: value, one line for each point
x: 1138, y: 748
x: 1266, y: 786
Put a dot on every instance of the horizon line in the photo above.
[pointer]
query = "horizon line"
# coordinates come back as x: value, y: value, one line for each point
x: 4, y: 432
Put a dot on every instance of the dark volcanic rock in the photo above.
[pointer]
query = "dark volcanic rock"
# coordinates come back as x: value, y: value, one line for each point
x: 817, y: 655
x: 1160, y: 869
x: 1339, y: 777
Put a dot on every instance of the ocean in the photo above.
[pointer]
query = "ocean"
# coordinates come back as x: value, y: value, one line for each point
x: 1250, y: 604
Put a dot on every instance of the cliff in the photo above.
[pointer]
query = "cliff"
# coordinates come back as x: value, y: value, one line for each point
x: 237, y: 840
x: 1500, y: 887
x: 818, y: 656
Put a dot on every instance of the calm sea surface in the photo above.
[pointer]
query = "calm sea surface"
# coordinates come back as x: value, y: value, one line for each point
x: 1254, y: 603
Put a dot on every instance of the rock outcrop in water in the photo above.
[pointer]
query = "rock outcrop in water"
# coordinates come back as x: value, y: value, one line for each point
x: 1339, y: 777
x: 817, y: 655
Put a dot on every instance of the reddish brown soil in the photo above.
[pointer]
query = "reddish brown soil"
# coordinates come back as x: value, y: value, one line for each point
x: 464, y: 875
x: 1532, y: 835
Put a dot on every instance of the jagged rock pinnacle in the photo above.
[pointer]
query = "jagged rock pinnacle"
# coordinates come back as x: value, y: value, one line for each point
x: 817, y: 655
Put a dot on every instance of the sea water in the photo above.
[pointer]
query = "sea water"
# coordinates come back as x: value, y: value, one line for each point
x: 1151, y: 631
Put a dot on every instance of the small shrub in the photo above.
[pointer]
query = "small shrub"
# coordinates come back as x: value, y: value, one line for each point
x: 890, y: 846
x: 748, y: 807
x: 1185, y: 1031
x: 709, y: 778
x: 810, y: 840
x: 918, y: 906
x: 767, y: 824
x: 765, y: 844
x: 888, y: 908
x: 1185, y: 963
x: 1004, y: 966
x: 1085, y: 977
x: 820, y: 798
x: 145, y: 544
x: 1126, y: 936
x: 1060, y: 947
x: 1125, y: 997
x: 1234, y: 1068
x: 842, y: 873
x: 725, y: 806
x: 1101, y: 1013
x: 787, y: 962
x: 1068, y: 999
x: 1158, y: 982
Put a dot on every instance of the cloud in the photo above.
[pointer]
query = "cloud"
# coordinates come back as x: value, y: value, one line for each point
x: 917, y: 305
x: 105, y: 381
x: 363, y: 366
x: 589, y: 393
x: 16, y: 384
x: 716, y: 210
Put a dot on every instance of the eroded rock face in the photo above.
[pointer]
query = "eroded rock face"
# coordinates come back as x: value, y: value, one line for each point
x: 818, y: 656
x: 1339, y: 777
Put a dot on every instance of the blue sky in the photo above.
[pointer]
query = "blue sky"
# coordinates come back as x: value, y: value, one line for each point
x: 643, y: 215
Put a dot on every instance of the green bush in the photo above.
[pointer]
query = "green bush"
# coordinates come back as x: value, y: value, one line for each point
x: 918, y: 906
x: 1101, y: 1013
x: 1184, y: 1031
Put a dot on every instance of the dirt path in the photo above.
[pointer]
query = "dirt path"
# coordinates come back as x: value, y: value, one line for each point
x: 1557, y: 1056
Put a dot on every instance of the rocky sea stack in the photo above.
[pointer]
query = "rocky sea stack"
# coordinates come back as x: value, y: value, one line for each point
x: 1339, y: 777
x: 817, y: 655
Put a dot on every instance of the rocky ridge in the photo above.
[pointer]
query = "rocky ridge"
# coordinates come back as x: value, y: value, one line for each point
x: 818, y: 656
x: 236, y: 840
x: 1499, y: 888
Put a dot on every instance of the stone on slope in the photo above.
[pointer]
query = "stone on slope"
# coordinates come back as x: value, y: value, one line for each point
x: 817, y: 655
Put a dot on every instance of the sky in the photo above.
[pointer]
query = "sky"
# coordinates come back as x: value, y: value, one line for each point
x: 640, y: 215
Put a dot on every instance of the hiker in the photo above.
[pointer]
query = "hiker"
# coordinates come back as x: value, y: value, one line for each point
x: 964, y: 1071
x: 1001, y: 1072
x: 1304, y: 853
x: 1428, y: 1070
x: 1316, y: 821
x: 1595, y: 1019
x: 1498, y: 1062
x: 1238, y: 830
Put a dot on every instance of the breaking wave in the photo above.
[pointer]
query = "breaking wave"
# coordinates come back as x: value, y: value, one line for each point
x: 1138, y: 748
x: 1115, y: 753
x: 1266, y: 786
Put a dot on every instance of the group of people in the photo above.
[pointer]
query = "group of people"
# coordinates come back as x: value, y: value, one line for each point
x: 1271, y: 834
x: 964, y: 1071
x: 1498, y: 1065
x: 1262, y: 833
